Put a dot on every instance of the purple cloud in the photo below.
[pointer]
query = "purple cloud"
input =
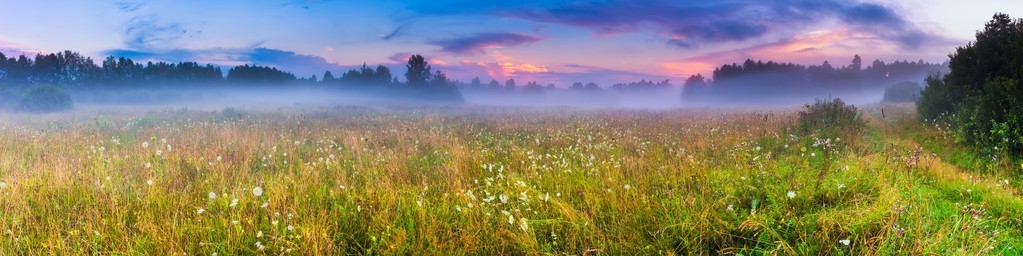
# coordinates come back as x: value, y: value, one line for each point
x: 477, y: 44
x: 690, y: 24
x: 302, y: 65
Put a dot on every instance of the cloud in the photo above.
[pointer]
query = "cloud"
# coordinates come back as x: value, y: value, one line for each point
x: 11, y: 49
x: 400, y: 57
x: 396, y: 32
x: 146, y: 32
x: 129, y: 6
x: 477, y: 44
x: 300, y: 64
x: 692, y: 24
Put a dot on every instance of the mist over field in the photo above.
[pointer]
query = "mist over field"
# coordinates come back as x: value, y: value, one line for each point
x: 653, y: 127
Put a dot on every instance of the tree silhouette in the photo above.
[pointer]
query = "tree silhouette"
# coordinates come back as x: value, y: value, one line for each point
x: 418, y: 72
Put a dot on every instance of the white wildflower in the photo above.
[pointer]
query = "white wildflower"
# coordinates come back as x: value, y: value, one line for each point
x: 200, y: 211
x: 844, y: 242
x: 145, y: 144
x: 791, y: 194
x: 234, y: 202
x: 149, y: 182
x: 257, y: 191
x: 212, y: 195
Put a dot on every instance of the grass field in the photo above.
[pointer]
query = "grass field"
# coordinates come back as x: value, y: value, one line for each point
x: 492, y: 181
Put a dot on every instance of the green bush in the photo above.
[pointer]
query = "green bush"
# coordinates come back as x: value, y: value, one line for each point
x: 831, y: 117
x: 982, y: 95
x: 902, y: 92
x: 45, y: 99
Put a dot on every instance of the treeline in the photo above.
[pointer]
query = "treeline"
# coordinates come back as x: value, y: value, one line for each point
x: 534, y: 87
x: 762, y: 80
x: 70, y: 70
x: 981, y: 97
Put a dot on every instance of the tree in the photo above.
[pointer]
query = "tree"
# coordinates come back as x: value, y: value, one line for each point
x: 328, y: 78
x: 983, y: 92
x: 857, y: 63
x: 418, y: 72
x: 475, y: 84
x: 494, y: 84
x: 509, y: 84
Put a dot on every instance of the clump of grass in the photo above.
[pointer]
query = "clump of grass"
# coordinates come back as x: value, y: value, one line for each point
x: 831, y: 117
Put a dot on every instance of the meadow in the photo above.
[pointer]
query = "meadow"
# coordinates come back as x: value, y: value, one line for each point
x: 497, y: 181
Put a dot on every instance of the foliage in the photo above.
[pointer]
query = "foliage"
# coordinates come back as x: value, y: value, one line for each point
x: 831, y: 117
x: 982, y: 94
x: 418, y: 72
x: 902, y: 92
x: 486, y: 181
x: 760, y: 80
x: 45, y: 99
x: 246, y: 74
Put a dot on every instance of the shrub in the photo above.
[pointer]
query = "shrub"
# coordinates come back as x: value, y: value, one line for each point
x: 902, y: 92
x: 937, y: 100
x: 830, y: 117
x: 45, y: 99
x: 982, y: 95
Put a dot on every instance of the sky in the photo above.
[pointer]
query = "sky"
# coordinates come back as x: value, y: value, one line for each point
x: 549, y: 41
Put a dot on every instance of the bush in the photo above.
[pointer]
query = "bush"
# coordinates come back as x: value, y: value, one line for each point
x: 902, y: 92
x: 831, y: 117
x: 937, y: 100
x: 982, y: 95
x: 45, y: 99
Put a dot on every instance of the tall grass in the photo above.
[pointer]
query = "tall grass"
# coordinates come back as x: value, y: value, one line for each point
x: 484, y: 181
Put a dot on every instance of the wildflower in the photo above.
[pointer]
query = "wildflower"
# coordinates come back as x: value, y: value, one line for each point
x: 813, y: 154
x: 844, y: 242
x: 257, y: 191
x: 149, y: 165
x: 627, y: 187
x: 523, y: 224
x: 791, y: 194
x: 149, y: 182
x: 218, y: 158
x: 264, y: 205
x: 511, y: 219
x: 159, y: 152
x: 200, y: 211
x: 841, y: 186
x: 758, y: 148
x: 731, y: 208
x: 259, y: 246
x: 504, y: 199
x: 234, y: 202
x: 3, y: 185
x: 145, y: 144
x: 234, y: 222
x: 259, y: 233
x: 212, y: 195
x: 291, y: 228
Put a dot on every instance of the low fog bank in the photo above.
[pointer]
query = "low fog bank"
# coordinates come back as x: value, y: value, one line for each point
x: 271, y: 98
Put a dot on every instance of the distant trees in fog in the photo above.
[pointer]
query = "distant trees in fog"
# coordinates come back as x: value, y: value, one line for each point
x: 246, y: 74
x: 762, y: 80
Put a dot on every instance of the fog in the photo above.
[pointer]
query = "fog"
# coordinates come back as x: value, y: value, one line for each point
x: 267, y: 98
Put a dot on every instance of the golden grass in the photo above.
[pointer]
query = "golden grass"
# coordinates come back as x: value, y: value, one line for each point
x: 486, y: 181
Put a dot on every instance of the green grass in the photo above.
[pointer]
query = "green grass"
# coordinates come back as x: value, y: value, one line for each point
x: 494, y: 181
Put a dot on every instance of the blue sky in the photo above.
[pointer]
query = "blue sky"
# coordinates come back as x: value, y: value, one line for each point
x: 549, y: 41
